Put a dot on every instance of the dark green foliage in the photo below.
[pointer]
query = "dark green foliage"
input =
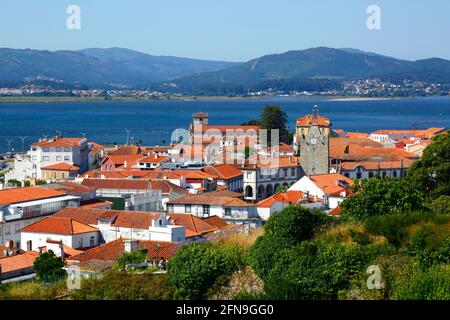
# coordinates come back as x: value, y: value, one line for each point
x: 432, y: 173
x: 319, y: 270
x: 428, y: 247
x: 381, y: 196
x: 433, y: 284
x: 264, y: 253
x: 274, y: 118
x: 48, y: 267
x: 197, y: 266
x: 441, y: 205
x: 136, y: 257
x: 115, y: 285
x: 295, y: 224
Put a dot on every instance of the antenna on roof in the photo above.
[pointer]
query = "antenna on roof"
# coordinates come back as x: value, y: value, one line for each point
x: 315, y: 110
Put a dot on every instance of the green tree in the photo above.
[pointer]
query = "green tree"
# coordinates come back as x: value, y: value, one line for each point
x: 136, y: 257
x: 251, y: 123
x: 196, y: 267
x: 48, y: 267
x: 441, y: 205
x: 432, y: 172
x: 274, y: 118
x: 295, y: 224
x: 380, y: 196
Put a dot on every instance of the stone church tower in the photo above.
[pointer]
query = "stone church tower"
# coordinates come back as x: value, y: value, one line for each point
x: 312, y: 142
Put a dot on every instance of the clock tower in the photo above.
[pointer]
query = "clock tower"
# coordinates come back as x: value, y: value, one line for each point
x: 312, y: 142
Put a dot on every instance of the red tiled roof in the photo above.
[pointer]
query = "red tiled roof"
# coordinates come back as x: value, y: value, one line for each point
x: 125, y: 150
x: 288, y: 197
x: 427, y: 133
x: 118, y: 218
x: 59, y: 225
x: 94, y: 203
x: 18, y: 262
x: 223, y: 171
x: 60, y: 142
x: 355, y: 152
x: 217, y: 222
x: 193, y: 174
x: 310, y: 119
x: 214, y: 201
x: 119, y: 160
x: 124, y: 184
x: 62, y: 166
x: 153, y: 159
x: 357, y: 135
x: 374, y: 165
x: 68, y: 187
x: 363, y: 142
x: 223, y: 193
x: 113, y: 250
x: 16, y: 195
x: 223, y: 129
x: 166, y: 186
x: 194, y: 225
x: 330, y: 182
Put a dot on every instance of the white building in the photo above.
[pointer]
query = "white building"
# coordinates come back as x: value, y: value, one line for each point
x: 20, y: 207
x: 54, y: 233
x: 44, y: 153
x: 232, y: 210
x: 262, y: 179
x: 332, y: 188
x: 115, y: 224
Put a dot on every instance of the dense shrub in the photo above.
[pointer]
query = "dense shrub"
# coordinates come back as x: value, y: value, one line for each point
x: 48, y: 267
x: 114, y: 285
x: 295, y: 224
x: 381, y: 196
x: 441, y: 205
x: 196, y: 267
x: 433, y: 284
x: 319, y: 270
x: 135, y: 257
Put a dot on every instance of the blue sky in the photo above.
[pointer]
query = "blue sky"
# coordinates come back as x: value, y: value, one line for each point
x: 234, y: 30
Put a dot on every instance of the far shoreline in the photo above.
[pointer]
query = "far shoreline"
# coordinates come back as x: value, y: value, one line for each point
x: 198, y: 98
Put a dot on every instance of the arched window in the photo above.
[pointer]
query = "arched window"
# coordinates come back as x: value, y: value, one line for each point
x: 261, y: 192
x: 269, y: 190
x: 248, y: 192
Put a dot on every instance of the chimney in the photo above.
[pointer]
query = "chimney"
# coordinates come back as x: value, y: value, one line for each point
x: 125, y: 164
x: 61, y: 248
x: 131, y: 245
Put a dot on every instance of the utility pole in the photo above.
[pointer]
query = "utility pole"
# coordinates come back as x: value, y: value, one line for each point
x: 128, y: 136
x: 23, y: 142
x: 9, y: 143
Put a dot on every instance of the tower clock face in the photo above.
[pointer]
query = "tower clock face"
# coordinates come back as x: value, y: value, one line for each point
x: 313, y: 141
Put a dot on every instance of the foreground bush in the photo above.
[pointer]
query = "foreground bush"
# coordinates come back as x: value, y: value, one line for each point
x: 32, y: 290
x: 433, y: 284
x: 114, y: 285
x: 196, y: 267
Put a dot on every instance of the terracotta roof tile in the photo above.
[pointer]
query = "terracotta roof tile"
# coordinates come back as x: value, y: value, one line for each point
x: 223, y: 171
x: 214, y: 201
x: 194, y: 225
x: 330, y: 183
x: 18, y: 262
x: 62, y: 166
x: 113, y: 250
x: 310, y: 119
x: 118, y: 218
x: 16, y: 195
x: 60, y: 142
x: 59, y: 225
